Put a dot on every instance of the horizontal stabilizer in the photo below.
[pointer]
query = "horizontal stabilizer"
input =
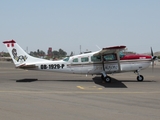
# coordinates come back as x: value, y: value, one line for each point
x: 27, y: 66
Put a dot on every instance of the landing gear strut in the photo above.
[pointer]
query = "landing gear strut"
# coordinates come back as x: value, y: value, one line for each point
x: 139, y: 77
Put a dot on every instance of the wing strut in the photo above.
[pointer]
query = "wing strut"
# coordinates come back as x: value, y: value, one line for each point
x: 118, y: 60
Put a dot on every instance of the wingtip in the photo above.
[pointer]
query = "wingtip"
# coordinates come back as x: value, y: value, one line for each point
x: 115, y: 47
x: 9, y: 41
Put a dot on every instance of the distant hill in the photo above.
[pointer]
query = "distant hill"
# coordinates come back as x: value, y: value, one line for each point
x: 157, y: 53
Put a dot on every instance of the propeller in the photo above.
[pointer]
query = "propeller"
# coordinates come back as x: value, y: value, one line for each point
x: 153, y: 58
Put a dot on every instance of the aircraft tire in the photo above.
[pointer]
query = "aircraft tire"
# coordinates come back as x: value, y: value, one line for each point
x: 107, y: 79
x: 140, y: 78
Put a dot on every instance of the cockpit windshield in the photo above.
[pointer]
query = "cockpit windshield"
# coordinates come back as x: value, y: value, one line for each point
x: 66, y: 59
x: 121, y: 54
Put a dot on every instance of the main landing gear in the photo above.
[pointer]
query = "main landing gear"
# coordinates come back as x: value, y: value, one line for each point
x: 139, y: 77
x: 105, y: 78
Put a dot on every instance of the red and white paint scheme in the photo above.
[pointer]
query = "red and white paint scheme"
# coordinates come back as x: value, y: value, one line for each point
x: 103, y: 62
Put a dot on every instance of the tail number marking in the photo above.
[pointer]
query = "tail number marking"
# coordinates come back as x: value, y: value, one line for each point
x: 52, y: 66
x: 111, y: 67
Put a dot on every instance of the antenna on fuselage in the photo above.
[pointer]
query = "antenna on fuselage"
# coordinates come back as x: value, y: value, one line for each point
x: 98, y: 47
x: 80, y: 49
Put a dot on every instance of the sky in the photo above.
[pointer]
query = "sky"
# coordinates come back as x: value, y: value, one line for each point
x: 69, y: 24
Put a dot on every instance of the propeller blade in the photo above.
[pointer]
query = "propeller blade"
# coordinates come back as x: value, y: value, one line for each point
x: 152, y: 52
x: 153, y: 59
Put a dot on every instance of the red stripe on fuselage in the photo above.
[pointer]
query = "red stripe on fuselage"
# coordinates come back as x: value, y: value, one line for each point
x: 135, y: 56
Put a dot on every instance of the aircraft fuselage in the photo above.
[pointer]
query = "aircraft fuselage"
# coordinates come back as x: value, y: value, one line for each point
x: 84, y: 64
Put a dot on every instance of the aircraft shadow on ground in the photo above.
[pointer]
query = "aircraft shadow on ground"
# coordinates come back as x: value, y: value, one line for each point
x: 136, y: 81
x: 33, y: 80
x: 97, y: 80
x: 114, y: 83
x: 27, y: 80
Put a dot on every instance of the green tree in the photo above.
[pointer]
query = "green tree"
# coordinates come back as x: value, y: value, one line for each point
x: 38, y: 53
x: 71, y: 54
x: 5, y: 54
x: 42, y: 53
x: 55, y: 54
x: 62, y: 53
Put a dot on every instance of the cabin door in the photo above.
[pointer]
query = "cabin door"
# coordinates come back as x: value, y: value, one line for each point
x: 110, y: 63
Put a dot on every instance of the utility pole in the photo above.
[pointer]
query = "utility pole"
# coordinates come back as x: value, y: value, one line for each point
x: 80, y: 49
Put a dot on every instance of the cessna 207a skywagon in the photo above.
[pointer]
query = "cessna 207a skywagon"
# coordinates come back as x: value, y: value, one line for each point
x: 103, y: 62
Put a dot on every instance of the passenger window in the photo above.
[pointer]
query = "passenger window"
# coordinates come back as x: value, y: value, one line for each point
x: 75, y: 60
x: 109, y: 57
x: 95, y: 58
x: 84, y: 59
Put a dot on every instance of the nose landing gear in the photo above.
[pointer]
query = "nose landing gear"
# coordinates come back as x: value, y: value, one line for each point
x: 139, y: 77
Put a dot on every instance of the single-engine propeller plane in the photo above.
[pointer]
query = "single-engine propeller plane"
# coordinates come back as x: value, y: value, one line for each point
x: 103, y: 62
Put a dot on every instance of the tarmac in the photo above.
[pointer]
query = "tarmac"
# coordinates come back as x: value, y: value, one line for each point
x: 35, y: 95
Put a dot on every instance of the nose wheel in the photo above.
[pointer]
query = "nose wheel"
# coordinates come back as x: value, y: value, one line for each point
x: 139, y: 77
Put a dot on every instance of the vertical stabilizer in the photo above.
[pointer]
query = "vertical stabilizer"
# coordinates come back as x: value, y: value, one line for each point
x: 18, y: 55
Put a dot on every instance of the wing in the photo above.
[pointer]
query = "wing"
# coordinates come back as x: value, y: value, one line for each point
x: 108, y: 50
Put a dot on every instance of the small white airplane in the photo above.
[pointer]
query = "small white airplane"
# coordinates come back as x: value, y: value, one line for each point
x: 103, y: 62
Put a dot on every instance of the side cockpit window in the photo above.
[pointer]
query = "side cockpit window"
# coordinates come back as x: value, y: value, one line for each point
x: 110, y: 57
